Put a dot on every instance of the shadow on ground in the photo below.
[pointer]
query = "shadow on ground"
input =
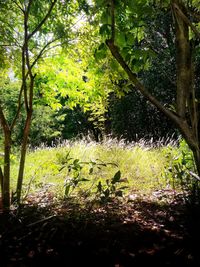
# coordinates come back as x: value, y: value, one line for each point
x: 137, y: 233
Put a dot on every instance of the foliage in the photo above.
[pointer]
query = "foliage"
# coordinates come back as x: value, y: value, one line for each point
x: 139, y: 120
x: 78, y: 84
x: 110, y: 189
x: 181, y: 173
x: 73, y: 174
x: 185, y: 113
x: 141, y: 165
x: 75, y: 177
x: 56, y: 71
x: 26, y: 35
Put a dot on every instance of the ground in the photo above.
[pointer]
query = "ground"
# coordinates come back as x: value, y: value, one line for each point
x: 157, y: 230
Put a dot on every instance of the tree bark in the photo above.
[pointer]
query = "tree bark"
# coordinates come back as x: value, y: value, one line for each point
x: 1, y: 179
x: 23, y: 155
x: 186, y: 116
x: 6, y: 176
x: 183, y: 59
x: 186, y: 98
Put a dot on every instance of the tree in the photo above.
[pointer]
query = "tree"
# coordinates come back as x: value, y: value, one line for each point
x: 26, y: 34
x: 125, y: 19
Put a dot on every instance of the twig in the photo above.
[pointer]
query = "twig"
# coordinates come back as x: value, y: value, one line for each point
x: 43, y: 20
x: 40, y: 221
x: 194, y: 175
x: 15, y: 2
x: 42, y: 51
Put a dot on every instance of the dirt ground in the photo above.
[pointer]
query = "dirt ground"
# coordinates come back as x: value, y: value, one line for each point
x: 157, y: 230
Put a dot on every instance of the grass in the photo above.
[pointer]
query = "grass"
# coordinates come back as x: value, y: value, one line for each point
x: 153, y: 228
x: 141, y: 165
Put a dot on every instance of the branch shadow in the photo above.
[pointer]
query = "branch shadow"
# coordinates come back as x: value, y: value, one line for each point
x: 117, y: 235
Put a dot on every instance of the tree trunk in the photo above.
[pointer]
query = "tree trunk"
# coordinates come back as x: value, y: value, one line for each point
x: 183, y: 58
x: 196, y: 154
x: 1, y: 179
x: 6, y: 174
x: 186, y: 116
x: 23, y: 155
x: 186, y: 97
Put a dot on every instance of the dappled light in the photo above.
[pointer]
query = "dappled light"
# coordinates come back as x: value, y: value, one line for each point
x: 99, y: 133
x: 142, y: 231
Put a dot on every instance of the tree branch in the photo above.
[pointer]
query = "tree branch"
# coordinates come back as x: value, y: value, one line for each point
x: 42, y: 51
x: 42, y: 21
x: 24, y: 77
x: 133, y: 78
x: 18, y: 109
x: 15, y: 41
x: 194, y: 175
x: 9, y: 45
x: 181, y: 123
x: 3, y: 121
x: 112, y: 20
x: 195, y: 15
x: 29, y: 6
x: 186, y: 20
x: 15, y: 2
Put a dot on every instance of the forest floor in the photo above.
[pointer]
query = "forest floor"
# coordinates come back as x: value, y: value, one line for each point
x: 154, y: 230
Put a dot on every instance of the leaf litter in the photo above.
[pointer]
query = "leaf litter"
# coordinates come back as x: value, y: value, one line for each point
x: 156, y: 229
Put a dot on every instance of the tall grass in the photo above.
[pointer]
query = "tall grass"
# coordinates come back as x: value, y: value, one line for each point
x: 141, y: 164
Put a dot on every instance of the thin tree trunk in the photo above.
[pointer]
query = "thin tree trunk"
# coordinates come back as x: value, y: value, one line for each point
x: 1, y: 179
x: 6, y: 175
x: 196, y: 154
x: 23, y: 156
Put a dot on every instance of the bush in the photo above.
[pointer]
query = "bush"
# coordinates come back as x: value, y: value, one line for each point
x: 181, y: 174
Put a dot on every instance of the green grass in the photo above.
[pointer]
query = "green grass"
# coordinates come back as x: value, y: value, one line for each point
x: 141, y: 166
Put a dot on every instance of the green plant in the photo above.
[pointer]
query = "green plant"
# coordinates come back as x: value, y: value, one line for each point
x: 142, y: 164
x: 77, y: 171
x: 181, y: 173
x: 110, y: 189
x: 74, y: 176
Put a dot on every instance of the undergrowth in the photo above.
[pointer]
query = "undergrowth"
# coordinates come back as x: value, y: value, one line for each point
x: 97, y: 170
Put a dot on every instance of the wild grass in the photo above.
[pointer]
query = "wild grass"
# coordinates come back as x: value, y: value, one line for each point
x: 141, y: 165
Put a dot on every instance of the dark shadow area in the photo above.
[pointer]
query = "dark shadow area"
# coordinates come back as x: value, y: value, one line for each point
x: 138, y: 233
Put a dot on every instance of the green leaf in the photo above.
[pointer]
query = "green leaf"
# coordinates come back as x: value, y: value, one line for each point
x: 102, y: 46
x: 119, y: 193
x: 106, y: 193
x: 99, y: 187
x: 121, y: 39
x: 116, y: 177
x: 100, y: 54
x: 67, y: 188
x: 83, y: 180
x: 104, y: 30
x: 76, y: 161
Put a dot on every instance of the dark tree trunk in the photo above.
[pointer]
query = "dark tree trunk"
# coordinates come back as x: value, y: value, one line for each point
x: 23, y: 156
x: 186, y: 116
x: 6, y: 174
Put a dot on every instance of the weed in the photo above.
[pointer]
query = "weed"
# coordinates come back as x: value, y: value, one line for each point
x: 79, y: 166
x: 181, y: 173
x: 110, y: 189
